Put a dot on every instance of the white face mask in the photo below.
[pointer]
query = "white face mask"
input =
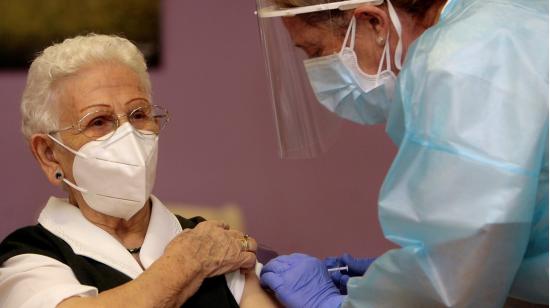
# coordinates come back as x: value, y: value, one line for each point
x: 116, y: 175
x: 342, y: 87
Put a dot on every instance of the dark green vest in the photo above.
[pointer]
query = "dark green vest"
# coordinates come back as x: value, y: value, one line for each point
x: 37, y: 240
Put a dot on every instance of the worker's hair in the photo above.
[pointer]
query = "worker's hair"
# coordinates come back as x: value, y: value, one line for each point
x: 39, y: 102
x: 339, y: 18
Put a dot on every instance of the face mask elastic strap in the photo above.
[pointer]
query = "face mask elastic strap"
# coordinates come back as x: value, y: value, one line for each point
x: 385, y: 56
x: 387, y: 53
x: 66, y: 147
x: 351, y: 30
x: 397, y: 24
x: 80, y: 189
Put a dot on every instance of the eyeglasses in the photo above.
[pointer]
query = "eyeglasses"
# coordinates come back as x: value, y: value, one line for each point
x: 147, y: 120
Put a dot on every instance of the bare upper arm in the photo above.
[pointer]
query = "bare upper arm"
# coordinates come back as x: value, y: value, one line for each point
x: 254, y: 295
x: 80, y: 302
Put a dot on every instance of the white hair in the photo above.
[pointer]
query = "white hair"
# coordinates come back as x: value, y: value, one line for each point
x: 38, y: 104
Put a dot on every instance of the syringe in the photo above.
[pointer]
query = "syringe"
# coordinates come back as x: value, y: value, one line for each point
x: 334, y: 269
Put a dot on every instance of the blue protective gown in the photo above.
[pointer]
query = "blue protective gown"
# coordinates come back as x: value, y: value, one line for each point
x: 467, y: 195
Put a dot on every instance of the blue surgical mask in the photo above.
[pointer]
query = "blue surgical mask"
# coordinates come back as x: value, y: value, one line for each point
x: 343, y: 88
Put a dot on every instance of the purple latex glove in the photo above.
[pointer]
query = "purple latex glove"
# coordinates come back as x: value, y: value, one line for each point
x: 356, y: 267
x: 300, y: 281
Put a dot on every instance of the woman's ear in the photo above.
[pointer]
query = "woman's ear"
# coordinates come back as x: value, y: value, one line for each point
x: 42, y: 149
x: 373, y: 18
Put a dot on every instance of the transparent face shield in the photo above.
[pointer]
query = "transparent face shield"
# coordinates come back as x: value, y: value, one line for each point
x: 289, y: 36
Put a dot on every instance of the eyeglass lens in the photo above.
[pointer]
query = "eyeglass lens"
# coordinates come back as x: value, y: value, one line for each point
x: 147, y: 120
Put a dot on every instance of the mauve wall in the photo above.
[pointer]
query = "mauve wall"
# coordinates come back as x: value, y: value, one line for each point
x: 221, y: 146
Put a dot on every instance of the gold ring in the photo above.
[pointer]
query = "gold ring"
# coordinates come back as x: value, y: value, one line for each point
x: 245, y: 244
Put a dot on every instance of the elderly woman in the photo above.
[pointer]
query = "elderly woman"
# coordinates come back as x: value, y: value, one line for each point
x: 90, y: 123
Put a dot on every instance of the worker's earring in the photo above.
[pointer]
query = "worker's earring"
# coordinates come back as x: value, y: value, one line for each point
x: 58, y: 174
x: 380, y: 41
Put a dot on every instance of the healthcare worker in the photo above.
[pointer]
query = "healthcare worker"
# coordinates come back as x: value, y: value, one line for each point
x: 462, y: 86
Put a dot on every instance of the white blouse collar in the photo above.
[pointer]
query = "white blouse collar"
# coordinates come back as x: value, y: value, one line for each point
x: 86, y: 239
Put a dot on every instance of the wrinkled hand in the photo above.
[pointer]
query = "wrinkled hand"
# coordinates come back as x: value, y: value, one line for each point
x: 299, y: 280
x: 216, y: 249
x: 356, y: 267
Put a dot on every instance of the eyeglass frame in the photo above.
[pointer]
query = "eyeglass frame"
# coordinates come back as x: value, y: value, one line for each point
x: 80, y: 130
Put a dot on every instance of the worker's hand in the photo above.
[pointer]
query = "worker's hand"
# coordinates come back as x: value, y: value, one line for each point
x: 299, y: 280
x: 356, y: 267
x: 213, y: 248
